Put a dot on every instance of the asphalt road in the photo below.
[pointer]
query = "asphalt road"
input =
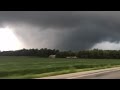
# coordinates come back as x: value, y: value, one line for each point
x: 110, y: 73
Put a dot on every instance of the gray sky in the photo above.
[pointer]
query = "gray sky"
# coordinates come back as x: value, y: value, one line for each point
x: 64, y: 30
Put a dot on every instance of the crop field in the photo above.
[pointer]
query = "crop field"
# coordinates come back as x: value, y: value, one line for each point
x: 33, y: 67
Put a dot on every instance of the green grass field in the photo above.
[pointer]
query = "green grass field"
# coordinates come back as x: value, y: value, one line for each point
x: 34, y: 67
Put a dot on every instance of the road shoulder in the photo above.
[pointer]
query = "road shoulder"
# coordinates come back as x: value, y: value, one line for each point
x: 81, y: 74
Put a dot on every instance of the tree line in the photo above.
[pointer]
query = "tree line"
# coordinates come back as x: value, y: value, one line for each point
x: 92, y: 54
x: 44, y: 52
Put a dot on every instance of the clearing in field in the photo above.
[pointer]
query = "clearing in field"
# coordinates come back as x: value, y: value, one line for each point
x: 35, y: 67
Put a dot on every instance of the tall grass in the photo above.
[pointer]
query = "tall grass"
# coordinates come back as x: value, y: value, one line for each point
x: 29, y: 67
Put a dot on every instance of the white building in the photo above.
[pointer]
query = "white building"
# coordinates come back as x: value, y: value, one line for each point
x: 52, y: 56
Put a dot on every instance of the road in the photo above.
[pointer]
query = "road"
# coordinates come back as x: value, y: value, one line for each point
x: 110, y: 73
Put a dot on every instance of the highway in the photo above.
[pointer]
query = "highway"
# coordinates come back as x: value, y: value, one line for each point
x: 109, y: 73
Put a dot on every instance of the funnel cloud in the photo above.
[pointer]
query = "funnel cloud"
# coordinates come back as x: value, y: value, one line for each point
x: 65, y: 30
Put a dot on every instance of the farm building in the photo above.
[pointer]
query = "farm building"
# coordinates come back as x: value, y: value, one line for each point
x: 52, y: 56
x: 71, y: 57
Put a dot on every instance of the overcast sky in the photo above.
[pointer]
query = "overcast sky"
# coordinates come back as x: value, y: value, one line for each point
x: 64, y: 30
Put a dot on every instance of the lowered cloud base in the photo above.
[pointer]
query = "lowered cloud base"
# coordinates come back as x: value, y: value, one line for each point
x: 64, y: 30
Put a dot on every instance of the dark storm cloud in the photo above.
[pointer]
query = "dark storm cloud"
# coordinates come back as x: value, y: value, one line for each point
x: 63, y: 30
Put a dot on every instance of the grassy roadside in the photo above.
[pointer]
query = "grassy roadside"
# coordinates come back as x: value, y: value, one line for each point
x: 69, y: 71
x: 34, y: 76
x: 35, y: 67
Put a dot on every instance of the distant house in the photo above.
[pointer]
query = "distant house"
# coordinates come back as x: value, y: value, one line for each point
x: 52, y: 56
x: 68, y: 57
x: 72, y: 57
